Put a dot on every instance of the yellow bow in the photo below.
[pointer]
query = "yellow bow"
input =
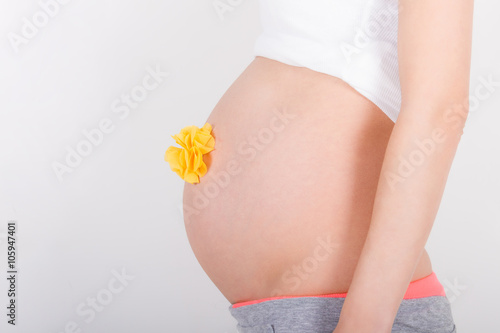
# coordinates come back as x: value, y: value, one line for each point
x: 187, y: 161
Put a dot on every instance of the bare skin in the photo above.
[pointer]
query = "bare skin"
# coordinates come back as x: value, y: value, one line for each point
x: 287, y: 184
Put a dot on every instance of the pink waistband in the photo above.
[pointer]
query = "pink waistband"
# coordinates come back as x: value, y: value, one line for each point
x: 424, y: 287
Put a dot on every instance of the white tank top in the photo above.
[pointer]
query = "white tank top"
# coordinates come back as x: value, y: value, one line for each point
x: 354, y: 40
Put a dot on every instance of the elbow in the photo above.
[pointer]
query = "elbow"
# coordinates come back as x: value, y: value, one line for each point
x: 450, y: 123
x: 454, y: 117
x: 448, y: 119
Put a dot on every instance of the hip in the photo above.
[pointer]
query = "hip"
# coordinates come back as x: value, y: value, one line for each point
x: 425, y: 308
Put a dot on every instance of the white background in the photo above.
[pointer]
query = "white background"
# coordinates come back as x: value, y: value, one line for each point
x: 120, y: 208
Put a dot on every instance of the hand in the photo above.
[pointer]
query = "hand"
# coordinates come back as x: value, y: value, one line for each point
x: 359, y: 327
x: 342, y: 330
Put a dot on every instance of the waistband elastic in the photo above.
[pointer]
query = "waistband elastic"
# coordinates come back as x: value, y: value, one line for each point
x: 424, y: 287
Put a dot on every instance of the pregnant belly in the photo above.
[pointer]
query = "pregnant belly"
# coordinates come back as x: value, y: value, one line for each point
x: 285, y: 206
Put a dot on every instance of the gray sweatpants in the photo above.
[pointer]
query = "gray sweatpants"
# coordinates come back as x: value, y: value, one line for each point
x: 321, y: 314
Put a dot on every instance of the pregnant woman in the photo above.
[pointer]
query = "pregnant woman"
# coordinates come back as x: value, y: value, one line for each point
x: 332, y: 151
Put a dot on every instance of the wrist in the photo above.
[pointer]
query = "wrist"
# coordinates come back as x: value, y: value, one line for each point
x: 360, y: 321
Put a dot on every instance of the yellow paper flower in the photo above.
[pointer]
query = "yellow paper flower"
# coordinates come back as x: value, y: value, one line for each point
x: 187, y: 161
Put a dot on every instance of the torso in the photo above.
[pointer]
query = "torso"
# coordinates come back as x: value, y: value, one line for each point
x: 287, y: 185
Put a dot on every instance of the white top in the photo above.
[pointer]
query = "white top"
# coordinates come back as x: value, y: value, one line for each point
x: 354, y: 40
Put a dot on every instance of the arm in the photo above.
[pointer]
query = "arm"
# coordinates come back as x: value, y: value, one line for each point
x: 434, y: 50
